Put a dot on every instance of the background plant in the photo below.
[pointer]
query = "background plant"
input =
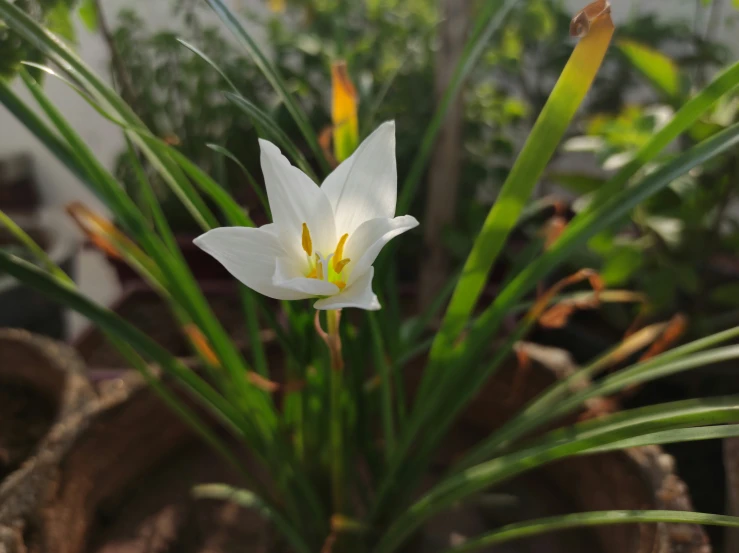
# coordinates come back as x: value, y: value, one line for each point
x: 679, y: 246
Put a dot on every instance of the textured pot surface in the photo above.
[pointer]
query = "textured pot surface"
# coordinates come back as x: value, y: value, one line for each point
x: 120, y: 484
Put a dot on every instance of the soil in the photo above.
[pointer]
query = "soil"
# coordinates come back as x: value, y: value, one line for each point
x: 25, y: 417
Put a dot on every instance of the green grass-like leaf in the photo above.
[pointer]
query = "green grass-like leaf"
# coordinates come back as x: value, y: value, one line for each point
x: 556, y: 445
x: 531, y: 528
x: 275, y: 79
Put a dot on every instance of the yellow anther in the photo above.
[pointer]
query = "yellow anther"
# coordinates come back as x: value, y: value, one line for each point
x: 340, y: 284
x: 313, y: 273
x: 338, y: 267
x: 339, y: 253
x: 307, y: 242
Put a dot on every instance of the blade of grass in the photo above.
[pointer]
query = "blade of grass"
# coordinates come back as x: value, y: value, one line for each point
x: 179, y: 407
x: 558, y: 444
x: 181, y: 283
x: 672, y: 437
x: 169, y: 172
x: 578, y: 228
x: 249, y: 302
x: 207, y: 59
x: 555, y: 118
x: 684, y: 119
x: 249, y: 177
x: 233, y: 212
x: 265, y: 124
x: 36, y: 250
x: 102, y: 94
x: 549, y: 408
x: 536, y: 527
x: 250, y: 500
x: 273, y: 76
x: 568, y: 93
x: 127, y: 334
x: 484, y: 327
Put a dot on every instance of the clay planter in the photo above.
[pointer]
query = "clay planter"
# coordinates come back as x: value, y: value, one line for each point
x: 121, y: 484
x: 42, y: 389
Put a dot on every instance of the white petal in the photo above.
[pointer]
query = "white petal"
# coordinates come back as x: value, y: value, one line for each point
x: 286, y: 278
x: 295, y: 199
x: 358, y: 295
x: 365, y: 244
x: 365, y: 186
x: 250, y: 255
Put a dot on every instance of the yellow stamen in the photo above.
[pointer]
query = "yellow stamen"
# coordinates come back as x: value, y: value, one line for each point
x: 340, y: 284
x: 313, y: 273
x: 339, y: 253
x: 319, y: 268
x: 307, y: 242
x: 338, y: 267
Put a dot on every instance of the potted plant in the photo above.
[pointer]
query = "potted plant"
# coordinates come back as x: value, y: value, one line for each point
x: 346, y: 459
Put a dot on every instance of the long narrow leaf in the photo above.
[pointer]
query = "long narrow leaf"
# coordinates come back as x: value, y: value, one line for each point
x: 249, y: 177
x: 273, y: 76
x: 207, y: 59
x: 128, y: 334
x: 563, y: 103
x: 599, y: 219
x: 540, y: 413
x: 558, y: 444
x: 532, y: 528
x: 250, y: 500
x: 104, y: 97
x: 684, y: 119
x: 36, y: 250
x: 262, y: 121
x: 672, y: 437
x: 553, y: 121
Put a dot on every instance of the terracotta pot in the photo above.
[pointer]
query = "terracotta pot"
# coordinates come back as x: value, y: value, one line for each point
x: 121, y: 485
x: 43, y: 390
x: 639, y: 478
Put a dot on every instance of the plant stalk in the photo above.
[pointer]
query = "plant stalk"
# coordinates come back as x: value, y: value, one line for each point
x: 333, y: 341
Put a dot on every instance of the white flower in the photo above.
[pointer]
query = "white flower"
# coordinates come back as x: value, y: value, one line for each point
x: 324, y: 239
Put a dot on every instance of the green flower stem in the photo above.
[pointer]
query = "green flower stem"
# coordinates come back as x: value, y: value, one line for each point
x: 333, y: 340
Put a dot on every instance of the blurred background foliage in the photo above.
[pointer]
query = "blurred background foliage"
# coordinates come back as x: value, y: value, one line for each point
x: 679, y: 248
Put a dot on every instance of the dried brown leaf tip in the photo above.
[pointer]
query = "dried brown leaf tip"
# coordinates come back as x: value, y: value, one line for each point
x: 99, y: 231
x: 674, y: 331
x: 557, y: 315
x: 581, y: 23
x: 201, y: 344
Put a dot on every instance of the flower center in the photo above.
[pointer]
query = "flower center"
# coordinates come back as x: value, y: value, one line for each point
x: 325, y: 268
